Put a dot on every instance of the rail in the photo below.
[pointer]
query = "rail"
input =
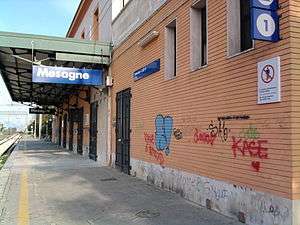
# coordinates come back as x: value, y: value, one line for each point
x: 8, y: 143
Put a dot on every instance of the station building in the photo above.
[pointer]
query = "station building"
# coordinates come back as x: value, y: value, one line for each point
x: 82, y: 125
x: 190, y: 103
x: 188, y: 107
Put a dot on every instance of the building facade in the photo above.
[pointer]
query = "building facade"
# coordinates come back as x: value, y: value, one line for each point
x: 196, y: 127
x: 184, y: 112
x: 83, y: 120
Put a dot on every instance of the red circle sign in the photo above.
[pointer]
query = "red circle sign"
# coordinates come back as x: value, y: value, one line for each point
x: 267, y: 74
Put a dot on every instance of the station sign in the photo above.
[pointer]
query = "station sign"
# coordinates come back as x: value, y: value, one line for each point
x: 147, y: 70
x: 265, y: 20
x: 41, y: 111
x: 66, y: 75
x: 269, y: 85
x: 265, y: 4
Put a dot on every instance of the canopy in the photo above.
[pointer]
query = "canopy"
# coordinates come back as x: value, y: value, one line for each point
x: 19, y: 52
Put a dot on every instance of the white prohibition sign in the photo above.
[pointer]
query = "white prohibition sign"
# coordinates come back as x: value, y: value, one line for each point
x: 265, y: 25
x: 266, y: 2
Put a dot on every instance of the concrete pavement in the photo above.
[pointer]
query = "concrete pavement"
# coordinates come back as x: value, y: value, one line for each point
x: 42, y: 184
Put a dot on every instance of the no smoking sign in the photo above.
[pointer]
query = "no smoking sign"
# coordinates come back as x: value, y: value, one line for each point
x: 268, y: 76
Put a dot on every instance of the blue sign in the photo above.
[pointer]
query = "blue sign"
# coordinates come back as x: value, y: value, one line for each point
x: 265, y: 25
x: 147, y: 70
x: 65, y: 75
x: 265, y: 4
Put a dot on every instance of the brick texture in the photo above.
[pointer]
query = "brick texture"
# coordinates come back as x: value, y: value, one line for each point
x: 226, y: 87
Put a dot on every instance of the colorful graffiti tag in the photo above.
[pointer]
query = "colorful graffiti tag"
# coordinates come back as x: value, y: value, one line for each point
x: 177, y: 134
x: 163, y: 133
x: 201, y: 137
x: 149, y: 148
x: 219, y: 129
x: 250, y: 133
x: 252, y: 148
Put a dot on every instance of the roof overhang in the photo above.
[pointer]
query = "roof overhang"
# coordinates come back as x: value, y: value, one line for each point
x: 18, y: 52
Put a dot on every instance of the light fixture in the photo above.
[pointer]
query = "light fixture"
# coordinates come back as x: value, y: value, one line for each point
x: 148, y: 38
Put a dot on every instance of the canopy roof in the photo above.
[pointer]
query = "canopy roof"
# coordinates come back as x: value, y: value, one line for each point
x: 18, y: 52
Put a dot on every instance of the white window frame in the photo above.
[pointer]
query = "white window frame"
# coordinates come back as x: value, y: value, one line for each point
x: 233, y: 29
x: 171, y: 67
x: 195, y: 36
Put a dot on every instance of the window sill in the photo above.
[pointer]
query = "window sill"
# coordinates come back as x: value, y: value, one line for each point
x: 170, y: 78
x: 240, y: 53
x: 199, y: 68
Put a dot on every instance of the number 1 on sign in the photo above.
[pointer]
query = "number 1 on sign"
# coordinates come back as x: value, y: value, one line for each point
x: 266, y: 25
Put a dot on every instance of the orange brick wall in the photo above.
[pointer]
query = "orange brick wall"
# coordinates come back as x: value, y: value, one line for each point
x: 295, y: 71
x: 227, y: 86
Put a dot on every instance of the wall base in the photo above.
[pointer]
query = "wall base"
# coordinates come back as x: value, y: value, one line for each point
x: 255, y: 208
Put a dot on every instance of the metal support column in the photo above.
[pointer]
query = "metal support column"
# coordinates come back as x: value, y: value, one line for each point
x: 35, y: 127
x: 40, y: 126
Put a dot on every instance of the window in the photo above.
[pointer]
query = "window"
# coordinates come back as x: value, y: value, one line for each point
x: 198, y: 35
x: 82, y: 35
x: 239, y: 26
x: 117, y: 6
x: 246, y: 41
x: 95, y: 28
x: 170, y: 50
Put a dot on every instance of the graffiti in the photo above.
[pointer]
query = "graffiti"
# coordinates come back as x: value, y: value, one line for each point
x: 217, y: 193
x: 219, y: 130
x: 253, y: 148
x: 255, y: 165
x: 203, y: 137
x: 277, y: 211
x: 242, y: 188
x: 149, y: 148
x: 140, y: 125
x: 149, y: 138
x: 177, y: 134
x: 234, y: 117
x: 163, y: 133
x: 250, y: 133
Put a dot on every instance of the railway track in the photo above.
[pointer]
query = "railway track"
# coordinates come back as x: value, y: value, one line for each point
x: 8, y: 143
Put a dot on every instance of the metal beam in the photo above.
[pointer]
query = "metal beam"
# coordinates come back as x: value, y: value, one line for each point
x: 82, y: 58
x: 57, y: 44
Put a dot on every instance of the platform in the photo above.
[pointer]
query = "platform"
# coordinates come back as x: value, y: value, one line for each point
x: 42, y: 184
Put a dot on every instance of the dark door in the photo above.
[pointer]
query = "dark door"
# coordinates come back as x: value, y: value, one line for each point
x: 80, y: 131
x: 123, y: 131
x: 59, y: 130
x: 93, y: 131
x: 65, y: 131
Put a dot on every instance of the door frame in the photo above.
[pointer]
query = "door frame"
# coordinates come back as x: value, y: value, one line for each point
x: 125, y: 127
x: 80, y: 131
x: 93, y: 155
x: 59, y: 130
x: 65, y: 119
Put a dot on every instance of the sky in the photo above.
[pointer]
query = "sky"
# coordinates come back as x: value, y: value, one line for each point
x: 44, y: 17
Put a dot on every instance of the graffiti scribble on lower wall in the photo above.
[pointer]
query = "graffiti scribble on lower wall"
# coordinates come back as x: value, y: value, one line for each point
x: 201, y: 137
x: 150, y: 148
x: 252, y: 148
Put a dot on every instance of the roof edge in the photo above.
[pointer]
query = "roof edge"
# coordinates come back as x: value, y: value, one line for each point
x: 80, y: 13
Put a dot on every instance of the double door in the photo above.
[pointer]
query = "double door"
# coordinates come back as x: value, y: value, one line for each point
x: 123, y: 100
